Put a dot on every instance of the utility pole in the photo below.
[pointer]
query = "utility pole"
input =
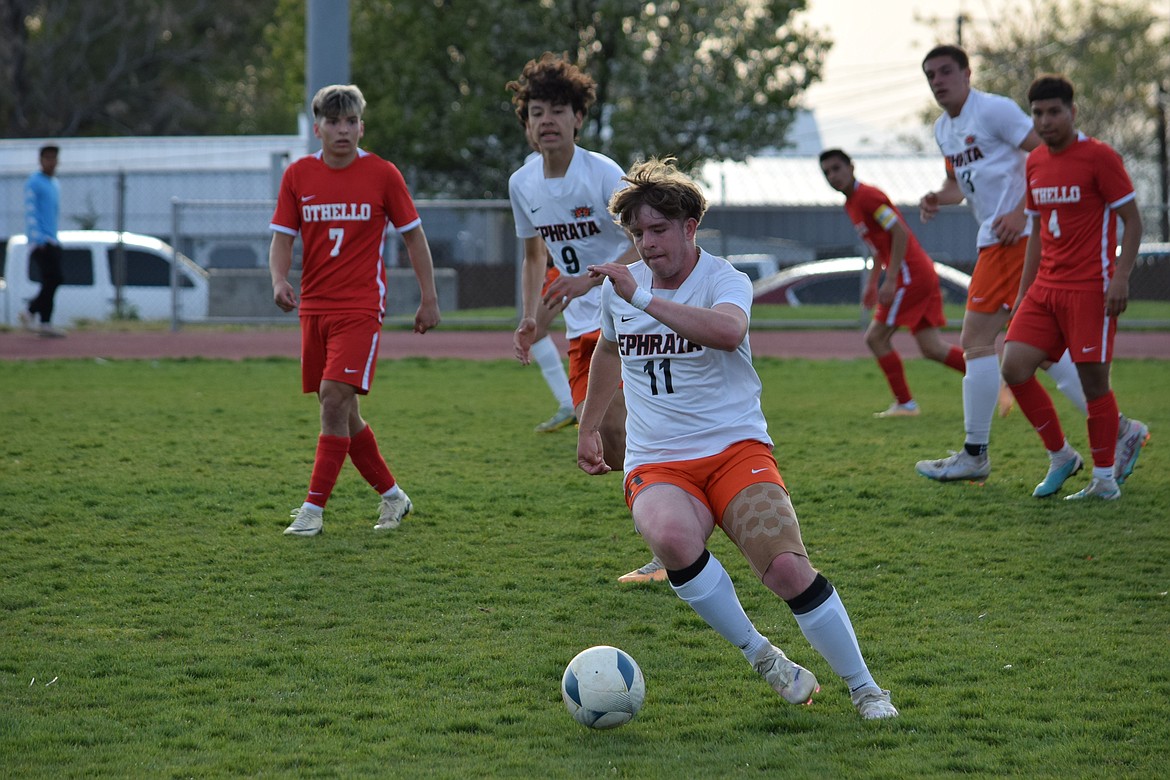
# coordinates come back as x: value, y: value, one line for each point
x: 960, y: 20
x: 1163, y: 162
x: 326, y: 51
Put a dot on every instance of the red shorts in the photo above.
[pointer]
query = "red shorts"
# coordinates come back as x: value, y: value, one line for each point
x: 580, y: 356
x: 339, y: 347
x: 916, y: 307
x: 995, y: 283
x: 1054, y: 320
x: 714, y: 480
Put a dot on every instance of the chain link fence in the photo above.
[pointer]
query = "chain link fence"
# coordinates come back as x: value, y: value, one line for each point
x: 779, y: 209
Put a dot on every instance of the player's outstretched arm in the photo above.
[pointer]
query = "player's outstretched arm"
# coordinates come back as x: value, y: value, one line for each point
x: 722, y: 327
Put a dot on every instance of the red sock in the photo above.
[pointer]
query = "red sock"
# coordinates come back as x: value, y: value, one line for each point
x: 955, y: 360
x: 1036, y: 405
x: 327, y: 465
x: 1103, y: 425
x: 363, y: 451
x: 891, y: 364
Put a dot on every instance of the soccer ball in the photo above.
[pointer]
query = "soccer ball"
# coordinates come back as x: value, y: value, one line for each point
x: 603, y: 687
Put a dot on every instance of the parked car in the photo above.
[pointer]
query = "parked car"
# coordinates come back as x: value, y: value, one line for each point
x: 89, y: 265
x: 840, y: 281
x: 756, y: 266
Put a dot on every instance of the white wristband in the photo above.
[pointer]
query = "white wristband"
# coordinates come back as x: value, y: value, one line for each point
x: 641, y: 298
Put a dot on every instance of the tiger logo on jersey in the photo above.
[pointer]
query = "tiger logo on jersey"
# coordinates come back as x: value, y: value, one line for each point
x: 583, y: 212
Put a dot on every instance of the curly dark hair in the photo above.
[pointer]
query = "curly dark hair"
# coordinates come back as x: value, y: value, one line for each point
x: 555, y: 79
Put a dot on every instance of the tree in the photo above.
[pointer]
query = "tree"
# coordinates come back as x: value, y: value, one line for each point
x: 697, y: 80
x: 124, y: 67
x: 1110, y: 51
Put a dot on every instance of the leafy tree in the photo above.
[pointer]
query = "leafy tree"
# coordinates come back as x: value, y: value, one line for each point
x: 1110, y: 51
x: 124, y: 67
x: 695, y: 79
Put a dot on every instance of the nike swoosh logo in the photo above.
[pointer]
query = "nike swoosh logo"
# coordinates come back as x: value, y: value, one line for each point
x: 627, y: 319
x: 1088, y: 349
x: 350, y: 370
x: 307, y: 198
x: 534, y: 209
x: 757, y: 471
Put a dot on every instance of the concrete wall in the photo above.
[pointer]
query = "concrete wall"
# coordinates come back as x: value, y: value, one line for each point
x: 246, y: 293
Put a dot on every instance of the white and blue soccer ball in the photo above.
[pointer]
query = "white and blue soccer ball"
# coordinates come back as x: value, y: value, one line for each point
x: 603, y: 687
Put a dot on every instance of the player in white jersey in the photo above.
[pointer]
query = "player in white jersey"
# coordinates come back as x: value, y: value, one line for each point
x: 674, y: 330
x: 543, y: 350
x: 567, y: 214
x: 559, y: 202
x: 985, y: 139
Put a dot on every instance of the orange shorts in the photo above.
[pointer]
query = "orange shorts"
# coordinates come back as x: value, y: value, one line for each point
x: 339, y: 347
x: 550, y: 276
x: 745, y: 493
x: 580, y: 356
x: 1055, y: 320
x: 714, y: 480
x: 995, y: 282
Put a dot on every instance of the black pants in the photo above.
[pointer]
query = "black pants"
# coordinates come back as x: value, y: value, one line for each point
x: 48, y: 260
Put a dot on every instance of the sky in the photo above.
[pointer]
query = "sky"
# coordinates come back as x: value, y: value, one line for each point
x: 873, y: 89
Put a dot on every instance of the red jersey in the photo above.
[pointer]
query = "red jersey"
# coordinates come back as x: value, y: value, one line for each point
x: 341, y: 215
x: 1075, y: 193
x: 873, y: 215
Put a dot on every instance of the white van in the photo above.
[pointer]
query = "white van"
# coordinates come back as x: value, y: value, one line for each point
x: 88, y: 293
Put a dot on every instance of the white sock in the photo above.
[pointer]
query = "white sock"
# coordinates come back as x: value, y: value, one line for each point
x: 980, y: 396
x: 712, y: 596
x: 1068, y: 381
x: 545, y: 353
x: 1103, y: 473
x: 392, y: 492
x: 828, y: 630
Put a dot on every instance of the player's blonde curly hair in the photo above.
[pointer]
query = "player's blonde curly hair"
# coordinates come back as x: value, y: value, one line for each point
x: 658, y: 183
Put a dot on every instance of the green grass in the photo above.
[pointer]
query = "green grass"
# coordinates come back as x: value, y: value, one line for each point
x: 156, y: 623
x: 1140, y: 314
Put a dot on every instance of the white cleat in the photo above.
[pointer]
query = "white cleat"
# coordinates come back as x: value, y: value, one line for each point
x: 1104, y: 489
x: 900, y: 410
x: 959, y: 466
x: 306, y: 522
x: 392, y: 510
x: 873, y: 704
x: 794, y: 683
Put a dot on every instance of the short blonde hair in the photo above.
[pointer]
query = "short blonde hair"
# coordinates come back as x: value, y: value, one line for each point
x: 658, y: 183
x: 338, y: 100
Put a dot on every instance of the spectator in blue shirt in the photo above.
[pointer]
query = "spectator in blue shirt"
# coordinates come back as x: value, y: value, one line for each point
x: 42, y: 205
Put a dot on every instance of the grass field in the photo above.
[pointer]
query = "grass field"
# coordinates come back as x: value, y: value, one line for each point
x: 156, y: 623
